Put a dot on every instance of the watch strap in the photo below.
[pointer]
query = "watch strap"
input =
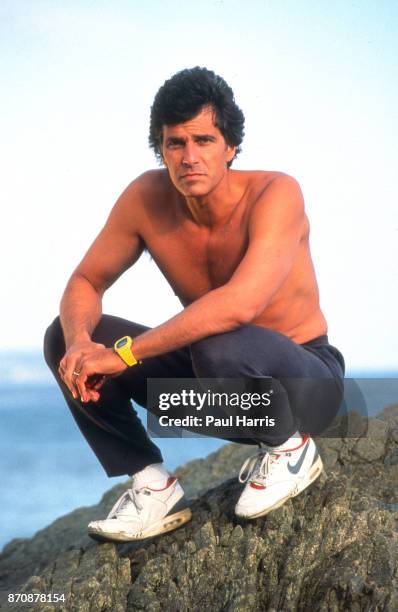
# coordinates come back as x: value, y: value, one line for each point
x: 123, y: 348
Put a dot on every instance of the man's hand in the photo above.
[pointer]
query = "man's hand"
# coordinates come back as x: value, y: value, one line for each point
x: 94, y: 369
x: 70, y: 364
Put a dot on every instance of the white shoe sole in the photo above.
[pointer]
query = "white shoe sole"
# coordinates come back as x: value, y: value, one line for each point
x: 314, y: 472
x: 168, y: 523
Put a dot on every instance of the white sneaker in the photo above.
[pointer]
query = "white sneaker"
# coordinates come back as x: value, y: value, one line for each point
x: 143, y: 512
x: 273, y: 476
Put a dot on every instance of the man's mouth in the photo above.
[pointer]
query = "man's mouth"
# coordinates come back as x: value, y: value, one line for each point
x: 191, y: 174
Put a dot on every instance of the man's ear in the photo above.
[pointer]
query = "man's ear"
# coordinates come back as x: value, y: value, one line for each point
x: 230, y: 152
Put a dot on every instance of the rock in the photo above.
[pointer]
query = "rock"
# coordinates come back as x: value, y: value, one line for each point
x: 332, y: 548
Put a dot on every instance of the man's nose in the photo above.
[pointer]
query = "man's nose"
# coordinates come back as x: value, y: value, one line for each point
x: 190, y: 154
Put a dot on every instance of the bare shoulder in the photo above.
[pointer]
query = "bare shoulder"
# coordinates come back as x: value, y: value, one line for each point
x: 276, y: 201
x: 145, y: 190
x: 261, y: 180
x: 150, y: 183
x: 271, y: 189
x: 284, y: 188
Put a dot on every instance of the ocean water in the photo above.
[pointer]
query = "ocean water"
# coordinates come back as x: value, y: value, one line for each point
x: 47, y: 468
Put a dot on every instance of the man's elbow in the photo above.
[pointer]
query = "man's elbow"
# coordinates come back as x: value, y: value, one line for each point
x: 243, y: 309
x: 245, y: 314
x: 81, y: 283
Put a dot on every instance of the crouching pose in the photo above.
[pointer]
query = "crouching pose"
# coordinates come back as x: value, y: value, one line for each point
x: 234, y: 247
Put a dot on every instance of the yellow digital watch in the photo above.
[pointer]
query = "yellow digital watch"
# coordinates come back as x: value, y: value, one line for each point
x: 123, y: 348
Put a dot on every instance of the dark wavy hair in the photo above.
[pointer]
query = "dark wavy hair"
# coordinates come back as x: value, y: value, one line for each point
x: 184, y: 95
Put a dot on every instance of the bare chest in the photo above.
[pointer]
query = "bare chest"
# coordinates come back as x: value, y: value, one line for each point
x: 194, y: 261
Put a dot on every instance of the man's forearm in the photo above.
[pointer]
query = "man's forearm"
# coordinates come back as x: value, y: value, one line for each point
x: 214, y: 313
x: 80, y: 311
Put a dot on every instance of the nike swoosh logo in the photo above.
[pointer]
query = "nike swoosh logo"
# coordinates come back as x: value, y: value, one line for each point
x: 294, y: 469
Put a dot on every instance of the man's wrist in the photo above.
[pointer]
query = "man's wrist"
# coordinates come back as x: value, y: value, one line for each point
x: 77, y: 339
x: 122, y: 348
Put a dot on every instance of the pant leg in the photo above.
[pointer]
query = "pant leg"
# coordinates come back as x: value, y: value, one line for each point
x: 307, y: 379
x: 117, y: 436
x: 111, y: 426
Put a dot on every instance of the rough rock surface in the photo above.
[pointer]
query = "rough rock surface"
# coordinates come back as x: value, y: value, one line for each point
x: 332, y: 548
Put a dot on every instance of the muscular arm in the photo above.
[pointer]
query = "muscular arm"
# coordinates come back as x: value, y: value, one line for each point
x: 80, y: 310
x: 115, y: 249
x: 275, y: 229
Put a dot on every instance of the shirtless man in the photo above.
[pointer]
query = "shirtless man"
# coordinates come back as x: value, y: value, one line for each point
x: 234, y: 247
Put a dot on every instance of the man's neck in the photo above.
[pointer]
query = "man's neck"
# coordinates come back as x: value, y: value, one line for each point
x: 215, y: 208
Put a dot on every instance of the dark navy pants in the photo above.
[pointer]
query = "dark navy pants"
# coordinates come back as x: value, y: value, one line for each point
x: 118, y: 438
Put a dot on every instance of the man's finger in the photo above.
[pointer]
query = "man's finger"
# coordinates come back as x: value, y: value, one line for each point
x: 70, y: 376
x: 95, y: 382
x: 100, y: 383
x: 80, y: 381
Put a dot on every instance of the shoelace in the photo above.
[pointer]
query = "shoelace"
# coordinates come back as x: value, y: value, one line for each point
x: 258, y: 466
x: 129, y: 496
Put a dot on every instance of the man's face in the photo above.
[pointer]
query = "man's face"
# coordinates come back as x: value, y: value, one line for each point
x: 196, y: 154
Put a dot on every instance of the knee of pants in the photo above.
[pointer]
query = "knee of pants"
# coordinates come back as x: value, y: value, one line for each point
x: 221, y: 356
x: 54, y: 344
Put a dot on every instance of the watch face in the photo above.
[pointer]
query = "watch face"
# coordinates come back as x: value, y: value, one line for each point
x: 121, y: 342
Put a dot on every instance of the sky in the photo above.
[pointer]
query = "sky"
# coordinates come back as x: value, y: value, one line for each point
x: 318, y: 84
